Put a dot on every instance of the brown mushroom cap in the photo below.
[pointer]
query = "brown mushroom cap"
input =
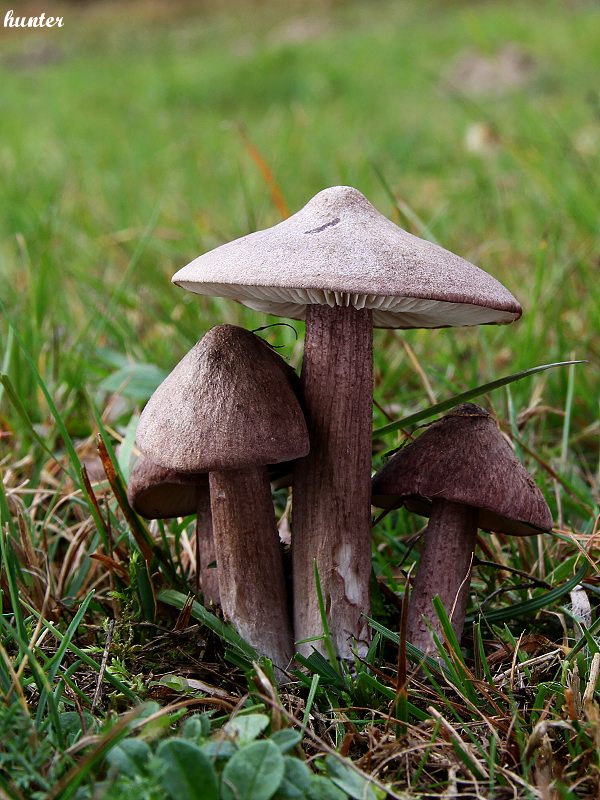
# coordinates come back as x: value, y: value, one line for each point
x: 463, y: 458
x: 159, y: 493
x: 340, y: 251
x: 230, y: 403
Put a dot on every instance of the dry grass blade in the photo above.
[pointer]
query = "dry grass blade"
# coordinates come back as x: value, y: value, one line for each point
x: 592, y: 684
x: 431, y: 396
x: 274, y: 188
x: 468, y: 757
x: 103, y: 663
x: 326, y: 748
x: 94, y: 500
x: 141, y: 535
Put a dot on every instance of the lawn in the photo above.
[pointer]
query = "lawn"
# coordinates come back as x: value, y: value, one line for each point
x: 142, y: 134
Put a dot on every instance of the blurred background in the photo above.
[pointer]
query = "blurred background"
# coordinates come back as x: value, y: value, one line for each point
x: 141, y: 134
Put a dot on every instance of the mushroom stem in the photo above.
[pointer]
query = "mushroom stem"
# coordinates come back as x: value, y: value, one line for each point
x: 205, y: 550
x: 445, y: 570
x: 251, y: 577
x: 331, y: 505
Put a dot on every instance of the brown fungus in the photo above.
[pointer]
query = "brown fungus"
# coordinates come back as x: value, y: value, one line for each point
x: 461, y: 473
x: 230, y: 408
x: 345, y: 268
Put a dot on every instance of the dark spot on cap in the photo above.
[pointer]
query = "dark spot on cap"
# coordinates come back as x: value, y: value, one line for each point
x: 323, y: 227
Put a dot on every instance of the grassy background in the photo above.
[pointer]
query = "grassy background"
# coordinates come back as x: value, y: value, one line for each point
x: 128, y: 146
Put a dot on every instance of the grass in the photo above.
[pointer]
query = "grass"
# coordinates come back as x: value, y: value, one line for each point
x: 137, y: 137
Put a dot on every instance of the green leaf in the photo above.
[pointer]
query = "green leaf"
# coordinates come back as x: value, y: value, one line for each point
x: 76, y: 724
x: 296, y: 780
x: 286, y: 739
x: 188, y: 774
x: 321, y: 788
x: 254, y: 773
x: 349, y: 780
x: 137, y: 381
x: 219, y: 749
x: 145, y: 589
x: 196, y: 727
x: 245, y: 729
x: 130, y: 757
x: 464, y: 397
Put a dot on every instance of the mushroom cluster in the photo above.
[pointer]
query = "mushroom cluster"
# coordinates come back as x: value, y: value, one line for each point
x: 232, y: 407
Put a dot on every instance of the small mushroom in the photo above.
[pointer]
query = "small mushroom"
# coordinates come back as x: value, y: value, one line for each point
x: 345, y: 268
x: 230, y: 408
x: 463, y: 475
x: 159, y: 493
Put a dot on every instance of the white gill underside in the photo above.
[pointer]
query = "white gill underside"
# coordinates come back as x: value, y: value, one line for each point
x: 388, y: 312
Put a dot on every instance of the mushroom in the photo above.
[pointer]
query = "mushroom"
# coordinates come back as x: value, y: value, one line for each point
x: 159, y: 493
x: 344, y: 267
x: 463, y: 475
x: 230, y: 408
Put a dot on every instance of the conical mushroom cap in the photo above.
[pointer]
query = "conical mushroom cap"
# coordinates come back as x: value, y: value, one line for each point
x: 229, y: 403
x: 159, y: 493
x: 465, y: 459
x: 339, y: 250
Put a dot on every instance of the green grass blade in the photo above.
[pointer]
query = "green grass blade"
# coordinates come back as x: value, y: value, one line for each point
x: 6, y: 359
x: 314, y: 685
x: 464, y: 397
x: 564, y: 449
x: 6, y: 518
x: 97, y: 323
x: 55, y: 662
x: 88, y: 660
x: 588, y: 633
x: 319, y: 665
x: 68, y: 442
x: 416, y: 656
x: 327, y: 640
x: 455, y: 659
x: 41, y: 679
x: 531, y: 606
x: 52, y: 666
x: 13, y: 397
x: 10, y: 570
x: 482, y: 666
x: 403, y: 208
x: 75, y: 471
x: 226, y: 632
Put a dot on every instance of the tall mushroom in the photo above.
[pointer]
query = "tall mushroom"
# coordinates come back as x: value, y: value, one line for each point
x: 463, y: 475
x: 159, y: 493
x: 344, y: 267
x: 230, y: 408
